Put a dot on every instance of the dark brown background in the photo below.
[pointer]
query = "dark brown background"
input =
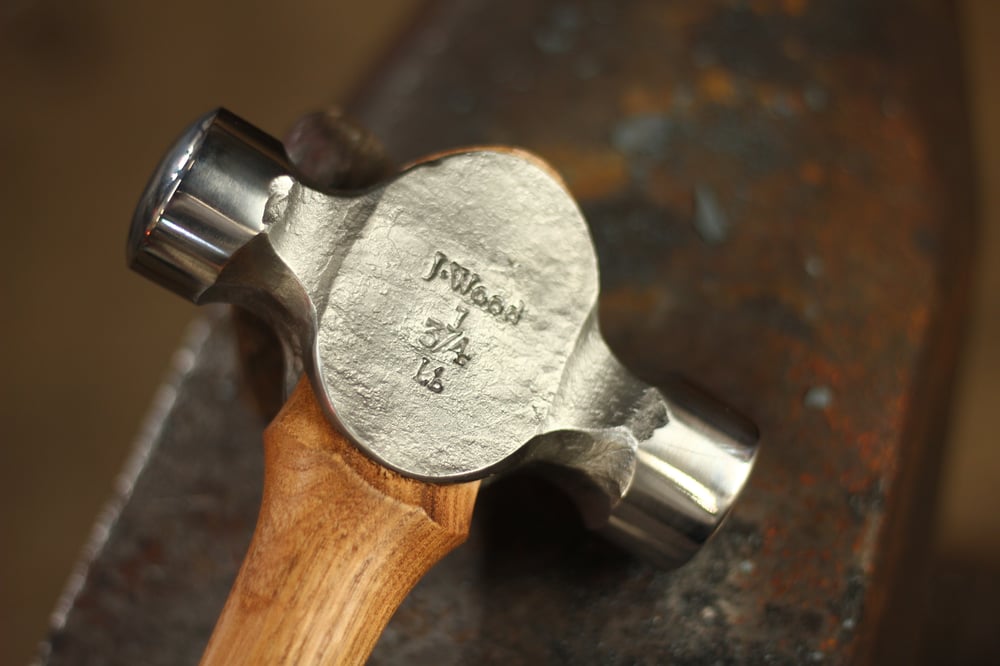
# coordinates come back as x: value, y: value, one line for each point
x: 93, y: 94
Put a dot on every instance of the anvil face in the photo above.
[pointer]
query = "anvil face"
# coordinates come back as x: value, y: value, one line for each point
x: 447, y: 303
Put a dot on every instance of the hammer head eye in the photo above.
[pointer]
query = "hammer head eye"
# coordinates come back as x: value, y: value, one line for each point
x: 447, y: 303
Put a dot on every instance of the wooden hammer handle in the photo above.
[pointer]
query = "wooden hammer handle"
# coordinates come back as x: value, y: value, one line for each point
x: 339, y: 543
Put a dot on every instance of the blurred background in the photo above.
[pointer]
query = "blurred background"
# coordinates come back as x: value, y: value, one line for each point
x: 93, y: 92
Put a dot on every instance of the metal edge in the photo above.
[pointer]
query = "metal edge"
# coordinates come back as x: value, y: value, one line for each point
x: 182, y: 363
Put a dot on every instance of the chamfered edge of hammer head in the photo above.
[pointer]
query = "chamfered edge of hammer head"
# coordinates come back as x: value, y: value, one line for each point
x: 204, y: 202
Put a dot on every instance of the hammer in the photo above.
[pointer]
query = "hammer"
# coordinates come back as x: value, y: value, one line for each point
x: 445, y: 321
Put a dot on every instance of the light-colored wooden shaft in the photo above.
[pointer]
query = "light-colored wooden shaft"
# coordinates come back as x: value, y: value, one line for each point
x: 339, y: 543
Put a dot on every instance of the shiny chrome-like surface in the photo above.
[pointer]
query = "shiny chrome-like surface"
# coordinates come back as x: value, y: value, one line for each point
x: 656, y: 469
x: 204, y: 202
x: 446, y: 319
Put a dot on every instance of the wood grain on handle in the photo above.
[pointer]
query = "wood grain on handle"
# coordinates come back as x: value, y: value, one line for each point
x: 339, y: 543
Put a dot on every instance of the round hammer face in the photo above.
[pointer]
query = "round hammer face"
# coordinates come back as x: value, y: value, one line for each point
x: 448, y: 302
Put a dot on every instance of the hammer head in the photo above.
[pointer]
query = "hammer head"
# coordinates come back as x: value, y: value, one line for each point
x: 446, y: 319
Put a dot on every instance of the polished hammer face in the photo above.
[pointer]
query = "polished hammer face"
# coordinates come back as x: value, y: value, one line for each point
x: 447, y: 322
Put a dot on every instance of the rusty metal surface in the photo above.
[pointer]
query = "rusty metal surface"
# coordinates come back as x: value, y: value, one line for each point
x: 779, y: 196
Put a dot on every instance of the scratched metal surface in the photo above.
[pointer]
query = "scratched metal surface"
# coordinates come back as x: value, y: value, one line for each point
x: 779, y: 196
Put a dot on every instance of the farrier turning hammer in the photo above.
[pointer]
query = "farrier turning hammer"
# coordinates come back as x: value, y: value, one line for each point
x: 446, y: 323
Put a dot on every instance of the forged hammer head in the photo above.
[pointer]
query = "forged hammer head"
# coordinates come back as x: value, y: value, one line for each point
x: 447, y: 321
